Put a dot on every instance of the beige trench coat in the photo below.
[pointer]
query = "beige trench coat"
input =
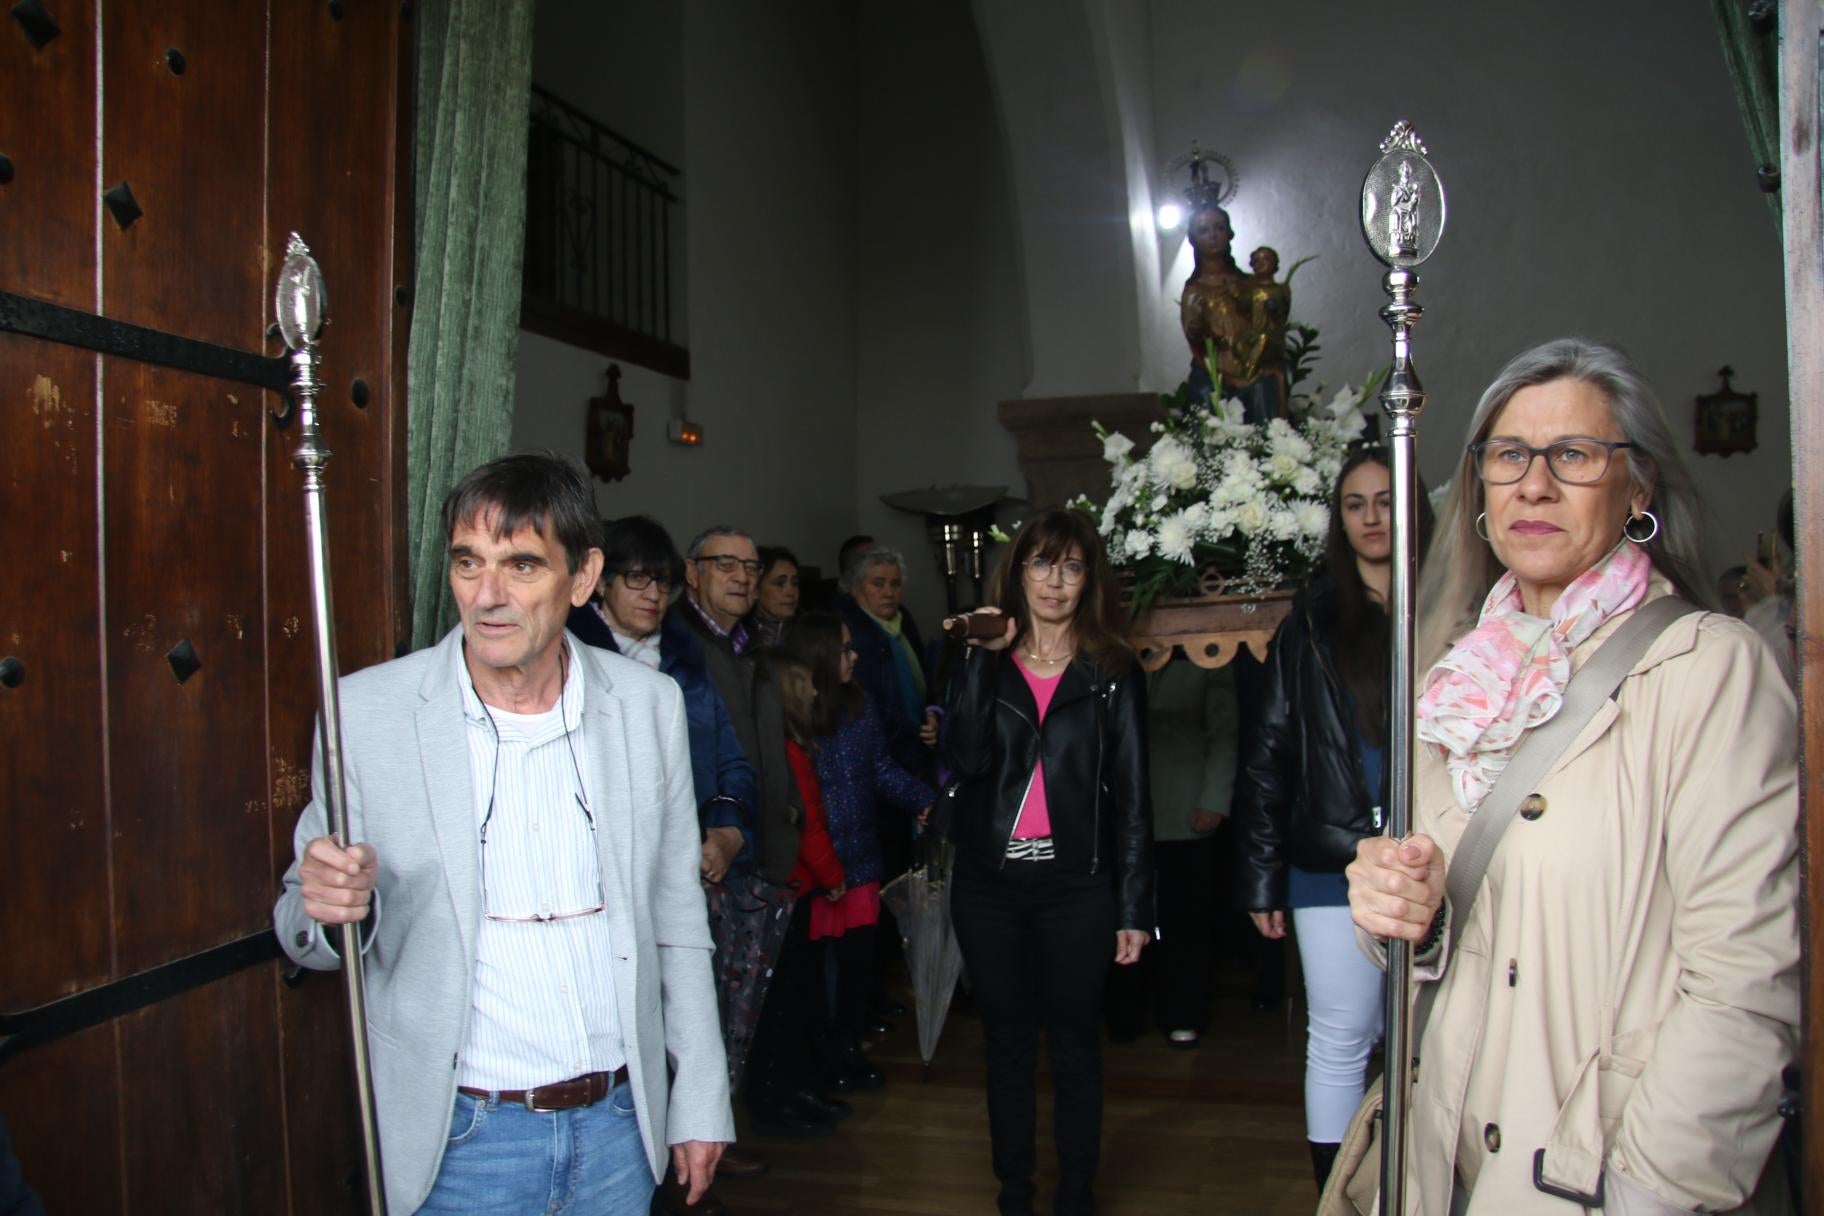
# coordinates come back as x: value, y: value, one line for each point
x: 1625, y: 990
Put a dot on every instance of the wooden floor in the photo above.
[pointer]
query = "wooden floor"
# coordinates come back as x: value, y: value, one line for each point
x: 1215, y: 1130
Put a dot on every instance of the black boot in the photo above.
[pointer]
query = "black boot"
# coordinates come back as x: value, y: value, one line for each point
x: 1323, y: 1156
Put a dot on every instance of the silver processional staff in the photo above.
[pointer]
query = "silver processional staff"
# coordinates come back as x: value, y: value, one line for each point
x: 301, y: 304
x: 1402, y: 219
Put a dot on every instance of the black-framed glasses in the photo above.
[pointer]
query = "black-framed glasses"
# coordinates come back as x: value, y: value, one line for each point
x: 1039, y: 569
x: 639, y: 580
x: 1577, y: 461
x: 728, y: 563
x: 582, y: 802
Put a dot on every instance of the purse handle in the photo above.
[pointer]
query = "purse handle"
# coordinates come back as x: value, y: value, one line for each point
x: 1595, y: 682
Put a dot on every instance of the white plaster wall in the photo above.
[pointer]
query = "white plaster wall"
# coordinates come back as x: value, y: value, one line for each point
x: 621, y: 61
x: 1047, y: 60
x: 765, y: 115
x: 1598, y: 179
x: 940, y: 335
x: 897, y: 220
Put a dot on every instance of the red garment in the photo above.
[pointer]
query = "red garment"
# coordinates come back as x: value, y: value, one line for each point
x: 818, y: 868
x: 858, y: 908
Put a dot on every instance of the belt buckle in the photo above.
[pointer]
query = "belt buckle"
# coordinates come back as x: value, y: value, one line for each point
x: 537, y: 1107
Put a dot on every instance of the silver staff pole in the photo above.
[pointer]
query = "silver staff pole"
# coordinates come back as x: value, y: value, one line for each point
x: 301, y: 303
x: 1402, y: 219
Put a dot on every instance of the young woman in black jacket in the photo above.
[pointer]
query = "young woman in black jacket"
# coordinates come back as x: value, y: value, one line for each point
x: 1046, y: 728
x: 1311, y: 782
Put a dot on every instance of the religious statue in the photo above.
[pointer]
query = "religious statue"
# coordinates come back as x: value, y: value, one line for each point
x: 1403, y: 215
x: 1241, y: 317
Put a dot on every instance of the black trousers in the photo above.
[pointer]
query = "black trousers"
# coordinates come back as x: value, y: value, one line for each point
x: 1037, y: 943
x: 856, y: 983
x: 785, y: 1054
x: 1173, y: 976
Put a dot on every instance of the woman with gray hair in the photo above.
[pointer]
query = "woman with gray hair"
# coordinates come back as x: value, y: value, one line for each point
x: 889, y: 653
x: 1612, y: 1002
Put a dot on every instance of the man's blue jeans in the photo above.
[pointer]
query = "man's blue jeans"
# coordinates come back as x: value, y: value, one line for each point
x: 502, y: 1157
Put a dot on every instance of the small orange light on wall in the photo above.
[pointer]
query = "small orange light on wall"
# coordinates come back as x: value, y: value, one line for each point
x: 688, y: 434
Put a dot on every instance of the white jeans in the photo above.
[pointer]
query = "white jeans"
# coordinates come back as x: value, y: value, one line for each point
x: 1343, y: 990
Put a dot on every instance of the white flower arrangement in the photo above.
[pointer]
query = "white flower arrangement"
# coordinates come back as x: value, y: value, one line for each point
x: 1215, y: 489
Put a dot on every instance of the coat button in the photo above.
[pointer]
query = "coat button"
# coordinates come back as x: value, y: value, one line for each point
x: 1532, y: 808
x: 1491, y: 1136
x: 1513, y: 973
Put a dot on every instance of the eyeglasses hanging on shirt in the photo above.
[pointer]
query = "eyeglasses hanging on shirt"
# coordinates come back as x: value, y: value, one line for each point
x: 582, y: 802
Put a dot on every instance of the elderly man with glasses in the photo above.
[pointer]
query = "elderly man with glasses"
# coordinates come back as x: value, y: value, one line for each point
x: 541, y: 1009
x: 721, y: 572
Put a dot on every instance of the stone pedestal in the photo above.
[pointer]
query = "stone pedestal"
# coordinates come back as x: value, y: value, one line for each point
x: 1058, y: 450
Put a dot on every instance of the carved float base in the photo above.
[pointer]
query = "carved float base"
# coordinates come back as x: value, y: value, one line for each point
x: 1209, y: 630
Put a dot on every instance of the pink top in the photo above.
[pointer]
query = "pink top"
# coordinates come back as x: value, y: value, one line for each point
x: 1035, y: 816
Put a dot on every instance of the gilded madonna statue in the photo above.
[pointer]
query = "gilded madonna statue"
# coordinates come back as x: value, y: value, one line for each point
x: 1238, y: 315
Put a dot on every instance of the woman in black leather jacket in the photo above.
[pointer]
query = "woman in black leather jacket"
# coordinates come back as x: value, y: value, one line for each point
x: 1310, y: 788
x: 1045, y: 727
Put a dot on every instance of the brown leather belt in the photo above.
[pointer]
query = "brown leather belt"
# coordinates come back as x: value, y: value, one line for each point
x: 585, y: 1090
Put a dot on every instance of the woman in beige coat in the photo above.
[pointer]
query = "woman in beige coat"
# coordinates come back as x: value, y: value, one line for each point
x: 1623, y: 991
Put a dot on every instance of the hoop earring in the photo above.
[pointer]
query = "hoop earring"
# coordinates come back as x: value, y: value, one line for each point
x: 1481, y: 525
x: 1641, y: 540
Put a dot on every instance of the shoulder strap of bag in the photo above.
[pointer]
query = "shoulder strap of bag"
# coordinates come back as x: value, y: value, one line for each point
x: 1594, y: 683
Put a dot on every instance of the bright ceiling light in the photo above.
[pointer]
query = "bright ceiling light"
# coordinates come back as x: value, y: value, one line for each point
x: 1170, y: 216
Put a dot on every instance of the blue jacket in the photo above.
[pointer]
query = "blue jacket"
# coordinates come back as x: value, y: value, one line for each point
x: 855, y: 770
x: 727, y: 790
x: 878, y: 676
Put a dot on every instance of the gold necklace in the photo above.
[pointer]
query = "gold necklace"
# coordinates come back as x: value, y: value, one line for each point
x: 1036, y: 657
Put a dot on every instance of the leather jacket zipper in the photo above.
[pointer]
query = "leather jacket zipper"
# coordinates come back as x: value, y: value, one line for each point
x: 1038, y: 759
x: 1095, y: 817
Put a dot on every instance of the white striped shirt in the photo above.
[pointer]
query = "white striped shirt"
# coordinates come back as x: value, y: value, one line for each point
x: 544, y: 993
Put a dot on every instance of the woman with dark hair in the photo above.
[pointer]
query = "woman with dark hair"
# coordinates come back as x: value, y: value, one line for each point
x: 629, y: 616
x: 855, y: 773
x: 1311, y: 787
x: 776, y: 594
x: 1046, y: 731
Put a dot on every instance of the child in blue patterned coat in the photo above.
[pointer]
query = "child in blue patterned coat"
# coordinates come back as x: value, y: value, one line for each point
x: 856, y: 772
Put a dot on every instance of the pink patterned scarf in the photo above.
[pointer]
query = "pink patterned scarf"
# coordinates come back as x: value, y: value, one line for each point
x: 1508, y: 674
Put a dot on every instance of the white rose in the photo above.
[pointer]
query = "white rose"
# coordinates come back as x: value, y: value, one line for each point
x: 1282, y: 468
x: 1251, y: 517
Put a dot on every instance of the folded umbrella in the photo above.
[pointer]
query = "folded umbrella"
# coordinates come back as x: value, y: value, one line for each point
x: 920, y: 902
x: 748, y: 917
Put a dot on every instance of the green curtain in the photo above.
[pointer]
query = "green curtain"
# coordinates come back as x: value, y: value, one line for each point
x: 1753, y: 56
x: 474, y: 94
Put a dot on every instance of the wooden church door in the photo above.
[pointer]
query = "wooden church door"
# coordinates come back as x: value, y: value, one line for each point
x: 157, y: 686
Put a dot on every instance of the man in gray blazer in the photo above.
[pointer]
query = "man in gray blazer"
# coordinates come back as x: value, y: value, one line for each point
x: 541, y: 1009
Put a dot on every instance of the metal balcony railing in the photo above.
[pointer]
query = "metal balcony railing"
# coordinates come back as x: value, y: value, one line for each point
x: 602, y: 266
